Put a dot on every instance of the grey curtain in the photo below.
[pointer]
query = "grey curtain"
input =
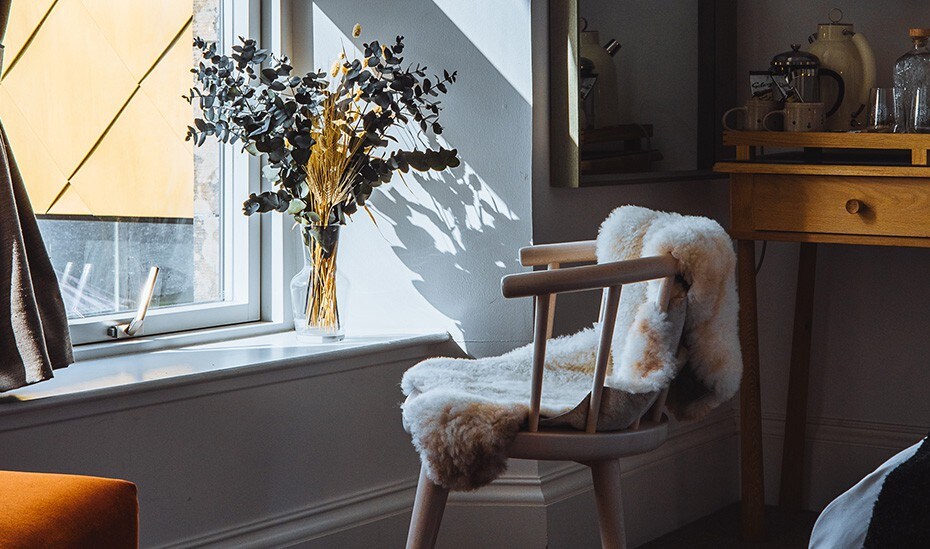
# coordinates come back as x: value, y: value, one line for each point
x: 34, y: 336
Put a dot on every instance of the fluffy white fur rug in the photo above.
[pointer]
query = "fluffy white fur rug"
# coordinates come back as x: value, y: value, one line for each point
x: 462, y: 414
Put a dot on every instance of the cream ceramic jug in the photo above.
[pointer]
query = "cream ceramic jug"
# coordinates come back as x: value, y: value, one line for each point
x: 848, y: 53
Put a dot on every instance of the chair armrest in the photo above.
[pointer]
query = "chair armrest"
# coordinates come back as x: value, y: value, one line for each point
x: 564, y: 252
x: 589, y: 277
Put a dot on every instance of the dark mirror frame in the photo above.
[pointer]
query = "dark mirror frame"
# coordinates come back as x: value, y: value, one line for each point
x: 716, y: 86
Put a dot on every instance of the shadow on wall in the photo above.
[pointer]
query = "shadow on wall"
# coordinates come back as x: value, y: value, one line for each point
x: 462, y: 237
x: 451, y: 235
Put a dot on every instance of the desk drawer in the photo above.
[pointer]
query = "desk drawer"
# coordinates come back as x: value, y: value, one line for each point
x: 883, y: 206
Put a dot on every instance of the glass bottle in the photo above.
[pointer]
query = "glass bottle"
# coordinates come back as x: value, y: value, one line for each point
x: 912, y: 70
x: 606, y: 106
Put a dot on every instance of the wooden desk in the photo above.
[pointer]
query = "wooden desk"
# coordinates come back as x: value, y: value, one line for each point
x: 838, y: 203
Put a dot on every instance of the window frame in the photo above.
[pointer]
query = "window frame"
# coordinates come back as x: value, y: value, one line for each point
x: 241, y: 255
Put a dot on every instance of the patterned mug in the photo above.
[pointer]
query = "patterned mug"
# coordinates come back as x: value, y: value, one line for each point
x: 799, y: 117
x: 754, y: 111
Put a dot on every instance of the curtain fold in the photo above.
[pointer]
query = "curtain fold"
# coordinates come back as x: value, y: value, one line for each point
x: 34, y: 337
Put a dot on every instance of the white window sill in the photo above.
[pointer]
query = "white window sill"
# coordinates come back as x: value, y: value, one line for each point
x: 144, y: 343
x: 206, y: 368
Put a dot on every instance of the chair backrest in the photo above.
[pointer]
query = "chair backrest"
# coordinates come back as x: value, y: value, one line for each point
x: 544, y: 313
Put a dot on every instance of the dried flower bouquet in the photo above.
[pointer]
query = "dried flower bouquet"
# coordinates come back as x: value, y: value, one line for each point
x: 327, y: 138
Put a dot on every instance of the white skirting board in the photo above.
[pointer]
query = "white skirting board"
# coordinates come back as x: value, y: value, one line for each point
x: 532, y: 506
x: 838, y: 453
x: 315, y: 523
x: 693, y: 474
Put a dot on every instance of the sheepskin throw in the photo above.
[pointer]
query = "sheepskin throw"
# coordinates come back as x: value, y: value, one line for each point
x: 462, y: 414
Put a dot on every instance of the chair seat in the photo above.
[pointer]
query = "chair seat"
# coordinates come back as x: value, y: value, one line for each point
x: 561, y: 444
x: 51, y: 511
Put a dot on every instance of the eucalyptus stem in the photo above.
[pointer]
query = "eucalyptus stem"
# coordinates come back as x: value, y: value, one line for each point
x: 322, y: 306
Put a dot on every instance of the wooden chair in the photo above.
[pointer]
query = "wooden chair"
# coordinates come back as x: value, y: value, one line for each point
x: 598, y: 450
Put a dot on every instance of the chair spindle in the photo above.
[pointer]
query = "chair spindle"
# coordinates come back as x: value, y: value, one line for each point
x: 608, y: 319
x: 539, y: 358
x: 550, y: 321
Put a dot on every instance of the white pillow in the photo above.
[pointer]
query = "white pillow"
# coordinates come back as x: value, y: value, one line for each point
x: 845, y: 522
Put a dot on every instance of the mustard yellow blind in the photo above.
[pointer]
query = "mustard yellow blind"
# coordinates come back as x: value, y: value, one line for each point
x: 90, y: 95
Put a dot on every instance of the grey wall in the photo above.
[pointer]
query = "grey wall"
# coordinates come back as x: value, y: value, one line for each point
x: 869, y: 368
x: 236, y: 458
x: 442, y: 241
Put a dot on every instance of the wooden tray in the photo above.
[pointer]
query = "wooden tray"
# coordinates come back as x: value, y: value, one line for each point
x: 917, y: 143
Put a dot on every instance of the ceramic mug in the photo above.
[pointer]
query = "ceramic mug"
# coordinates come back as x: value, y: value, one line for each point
x: 754, y: 112
x: 799, y: 117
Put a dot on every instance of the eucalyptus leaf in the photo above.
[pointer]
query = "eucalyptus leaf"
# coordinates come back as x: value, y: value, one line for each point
x: 296, y: 206
x: 270, y: 173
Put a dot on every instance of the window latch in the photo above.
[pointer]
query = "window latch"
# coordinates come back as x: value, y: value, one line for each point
x: 134, y: 327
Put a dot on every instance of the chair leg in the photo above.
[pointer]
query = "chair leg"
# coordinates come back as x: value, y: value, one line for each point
x: 606, y: 476
x: 427, y: 513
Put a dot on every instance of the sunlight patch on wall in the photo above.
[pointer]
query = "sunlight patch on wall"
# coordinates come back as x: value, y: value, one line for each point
x: 329, y: 41
x: 487, y: 23
x: 441, y: 240
x: 383, y: 294
x: 427, y: 226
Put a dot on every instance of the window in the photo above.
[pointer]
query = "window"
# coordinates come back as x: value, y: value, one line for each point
x: 91, y: 96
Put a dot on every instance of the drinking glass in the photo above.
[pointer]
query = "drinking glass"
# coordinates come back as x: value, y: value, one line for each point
x: 919, y: 111
x: 886, y: 110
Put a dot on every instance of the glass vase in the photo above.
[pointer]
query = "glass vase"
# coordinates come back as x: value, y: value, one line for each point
x: 318, y: 290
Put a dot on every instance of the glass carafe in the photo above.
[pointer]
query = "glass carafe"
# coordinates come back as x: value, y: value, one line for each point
x: 912, y: 70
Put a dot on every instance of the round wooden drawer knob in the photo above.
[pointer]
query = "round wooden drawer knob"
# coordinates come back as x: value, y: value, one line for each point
x: 854, y: 206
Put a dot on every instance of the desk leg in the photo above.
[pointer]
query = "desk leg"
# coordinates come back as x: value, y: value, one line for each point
x: 750, y: 402
x: 792, y: 460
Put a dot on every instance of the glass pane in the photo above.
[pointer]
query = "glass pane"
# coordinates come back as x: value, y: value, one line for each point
x: 98, y: 131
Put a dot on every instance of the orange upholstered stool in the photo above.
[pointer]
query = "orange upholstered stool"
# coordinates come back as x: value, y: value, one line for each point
x: 48, y: 510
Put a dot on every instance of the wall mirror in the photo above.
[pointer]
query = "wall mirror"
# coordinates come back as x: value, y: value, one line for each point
x: 637, y: 89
